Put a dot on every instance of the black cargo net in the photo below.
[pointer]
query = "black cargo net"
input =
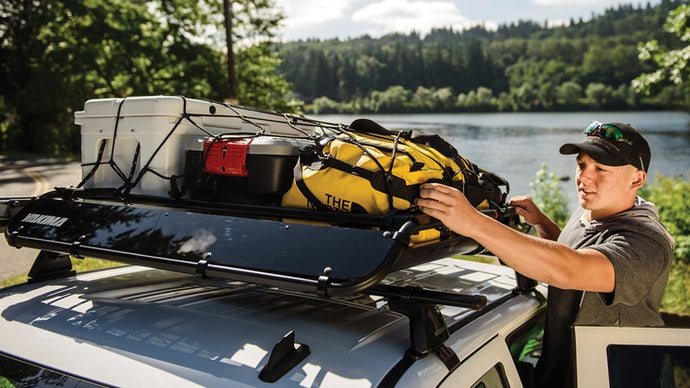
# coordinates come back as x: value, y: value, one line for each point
x: 304, y: 128
x: 313, y: 135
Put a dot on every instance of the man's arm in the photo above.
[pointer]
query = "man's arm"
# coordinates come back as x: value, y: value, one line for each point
x: 541, y: 259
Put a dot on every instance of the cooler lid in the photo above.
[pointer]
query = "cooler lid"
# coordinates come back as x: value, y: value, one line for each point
x: 269, y: 145
x: 261, y: 145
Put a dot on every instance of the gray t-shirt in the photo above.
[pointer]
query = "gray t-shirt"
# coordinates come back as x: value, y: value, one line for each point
x: 641, y: 250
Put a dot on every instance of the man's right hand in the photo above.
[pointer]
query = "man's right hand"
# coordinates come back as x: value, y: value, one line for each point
x: 448, y: 205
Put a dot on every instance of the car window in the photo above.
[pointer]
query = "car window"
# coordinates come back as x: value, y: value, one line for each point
x: 17, y: 373
x: 490, y: 366
x: 648, y: 366
x: 526, y: 343
x: 493, y: 378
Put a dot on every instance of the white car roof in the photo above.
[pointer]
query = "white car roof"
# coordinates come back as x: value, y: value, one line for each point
x: 124, y: 325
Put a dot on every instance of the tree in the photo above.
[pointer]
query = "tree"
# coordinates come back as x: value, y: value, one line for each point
x: 233, y: 89
x: 393, y: 99
x: 56, y: 54
x: 672, y: 64
x: 547, y: 94
x: 22, y: 82
x: 82, y: 50
x: 245, y: 21
x: 477, y: 65
x: 569, y: 92
x: 602, y: 50
x: 443, y: 99
x: 421, y: 99
x: 324, y: 105
x: 549, y: 195
x: 261, y: 86
x: 318, y: 75
x: 597, y: 93
x: 524, y: 97
x: 368, y: 69
x: 485, y: 96
x: 347, y: 75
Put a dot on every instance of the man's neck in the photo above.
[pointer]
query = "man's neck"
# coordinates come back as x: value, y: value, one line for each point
x: 593, y: 215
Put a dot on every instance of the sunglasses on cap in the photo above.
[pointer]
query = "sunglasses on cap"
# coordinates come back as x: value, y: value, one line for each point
x: 607, y: 131
x: 613, y: 133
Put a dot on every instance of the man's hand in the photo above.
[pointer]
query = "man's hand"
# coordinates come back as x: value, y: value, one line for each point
x: 525, y: 207
x: 448, y: 205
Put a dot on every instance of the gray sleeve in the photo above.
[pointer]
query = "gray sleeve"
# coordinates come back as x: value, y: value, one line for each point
x: 638, y: 261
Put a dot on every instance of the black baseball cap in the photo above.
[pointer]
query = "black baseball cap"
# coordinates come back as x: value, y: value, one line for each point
x: 612, y: 144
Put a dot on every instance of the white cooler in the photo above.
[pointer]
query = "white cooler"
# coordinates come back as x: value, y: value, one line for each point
x: 149, y: 122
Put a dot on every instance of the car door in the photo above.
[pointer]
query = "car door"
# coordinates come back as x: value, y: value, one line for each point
x: 491, y: 366
x: 619, y: 357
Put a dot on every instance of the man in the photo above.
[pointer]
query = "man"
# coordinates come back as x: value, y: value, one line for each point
x: 613, y: 248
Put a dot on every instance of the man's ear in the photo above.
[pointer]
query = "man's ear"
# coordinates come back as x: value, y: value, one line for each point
x: 639, y: 178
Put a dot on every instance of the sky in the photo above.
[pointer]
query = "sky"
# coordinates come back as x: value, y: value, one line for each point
x: 326, y: 19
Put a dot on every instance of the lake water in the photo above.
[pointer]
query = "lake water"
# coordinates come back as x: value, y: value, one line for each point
x: 514, y: 145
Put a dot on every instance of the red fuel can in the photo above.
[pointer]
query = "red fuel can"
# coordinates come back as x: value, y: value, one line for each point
x: 226, y: 156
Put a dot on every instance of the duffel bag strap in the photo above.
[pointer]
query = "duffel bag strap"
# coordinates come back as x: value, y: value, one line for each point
x: 380, y: 180
x: 302, y: 186
x: 432, y: 140
x: 376, y: 179
x: 370, y: 126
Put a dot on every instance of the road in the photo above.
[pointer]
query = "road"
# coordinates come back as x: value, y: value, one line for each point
x: 22, y: 177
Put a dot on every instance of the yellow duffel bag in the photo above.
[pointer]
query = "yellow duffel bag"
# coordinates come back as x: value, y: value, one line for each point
x: 371, y: 170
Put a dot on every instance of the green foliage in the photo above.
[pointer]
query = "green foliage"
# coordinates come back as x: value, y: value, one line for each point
x: 260, y: 85
x: 569, y: 92
x: 525, y: 66
x: 677, y: 290
x: 56, y: 54
x: 6, y: 383
x: 672, y: 63
x: 324, y: 105
x: 548, y: 195
x: 672, y: 198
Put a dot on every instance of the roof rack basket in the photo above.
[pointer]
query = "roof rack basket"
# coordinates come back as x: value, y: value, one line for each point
x: 329, y: 254
x: 253, y: 243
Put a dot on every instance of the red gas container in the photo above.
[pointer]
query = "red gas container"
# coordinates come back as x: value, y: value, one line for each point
x: 226, y: 156
x: 256, y: 170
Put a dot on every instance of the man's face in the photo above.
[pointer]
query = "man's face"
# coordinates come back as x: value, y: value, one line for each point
x: 605, y: 190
